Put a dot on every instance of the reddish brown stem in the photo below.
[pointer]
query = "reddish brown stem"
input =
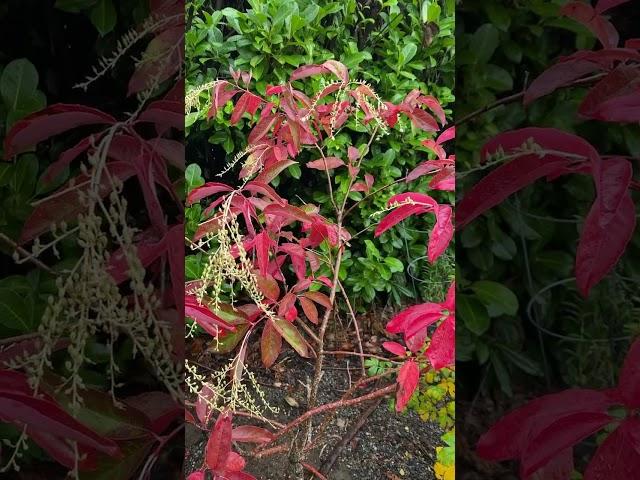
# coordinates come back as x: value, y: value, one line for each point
x: 335, y: 405
x: 313, y: 470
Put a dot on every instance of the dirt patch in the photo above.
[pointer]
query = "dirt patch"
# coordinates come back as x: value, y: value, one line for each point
x: 390, y: 446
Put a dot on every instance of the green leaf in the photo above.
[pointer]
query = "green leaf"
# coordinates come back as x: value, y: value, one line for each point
x: 498, y: 299
x: 25, y: 174
x: 16, y: 310
x: 408, y: 52
x: 310, y: 13
x: 74, y: 6
x: 293, y: 337
x: 19, y: 81
x: 484, y: 41
x: 394, y: 264
x: 193, y: 176
x: 103, y: 16
x: 6, y: 170
x: 473, y: 314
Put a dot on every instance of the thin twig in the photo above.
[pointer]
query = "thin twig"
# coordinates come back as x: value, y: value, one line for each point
x: 357, y: 328
x: 517, y: 96
x: 327, y: 465
x: 27, y: 255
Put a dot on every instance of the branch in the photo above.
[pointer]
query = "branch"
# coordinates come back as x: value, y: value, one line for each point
x: 517, y: 96
x: 27, y: 255
x: 383, y: 392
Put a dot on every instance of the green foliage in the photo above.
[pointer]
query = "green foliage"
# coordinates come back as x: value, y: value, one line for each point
x: 396, y: 46
x: 102, y: 13
x: 435, y: 398
x: 518, y: 248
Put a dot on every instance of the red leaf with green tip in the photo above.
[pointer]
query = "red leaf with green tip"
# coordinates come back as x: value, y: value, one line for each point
x: 267, y: 175
x: 293, y: 337
x: 204, y: 316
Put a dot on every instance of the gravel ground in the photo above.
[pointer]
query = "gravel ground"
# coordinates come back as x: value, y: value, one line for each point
x: 390, y: 446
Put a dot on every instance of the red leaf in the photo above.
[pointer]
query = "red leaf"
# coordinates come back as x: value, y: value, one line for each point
x: 338, y: 69
x: 307, y: 71
x: 267, y: 175
x: 288, y: 212
x: 219, y: 443
x: 274, y: 90
x: 599, y: 26
x: 327, y: 163
x: 618, y: 86
x: 262, y: 128
x: 442, y: 349
x: 442, y: 232
x: 65, y: 206
x: 235, y: 463
x: 415, y: 318
x: 622, y: 109
x: 164, y: 113
x: 171, y: 150
x: 510, y: 436
x: 293, y: 337
x: 270, y: 345
x: 427, y: 168
x: 204, y: 316
x: 251, y: 434
x: 309, y: 309
x: 221, y: 95
x: 559, y: 75
x: 397, y: 215
x: 240, y: 108
x: 69, y: 156
x: 447, y: 135
x: 609, y: 226
x: 206, y: 190
x: 319, y: 297
x: 629, y: 384
x: 604, y: 5
x: 449, y: 303
x: 444, y: 180
x: 199, y: 475
x: 434, y: 106
x: 423, y: 120
x: 20, y: 407
x: 263, y: 243
x: 408, y: 379
x: 519, y: 172
x: 616, y: 458
x: 564, y: 433
x: 268, y: 287
x: 395, y: 348
x: 253, y: 102
x: 51, y: 121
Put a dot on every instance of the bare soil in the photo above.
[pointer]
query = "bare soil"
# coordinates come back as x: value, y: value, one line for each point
x: 390, y: 446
